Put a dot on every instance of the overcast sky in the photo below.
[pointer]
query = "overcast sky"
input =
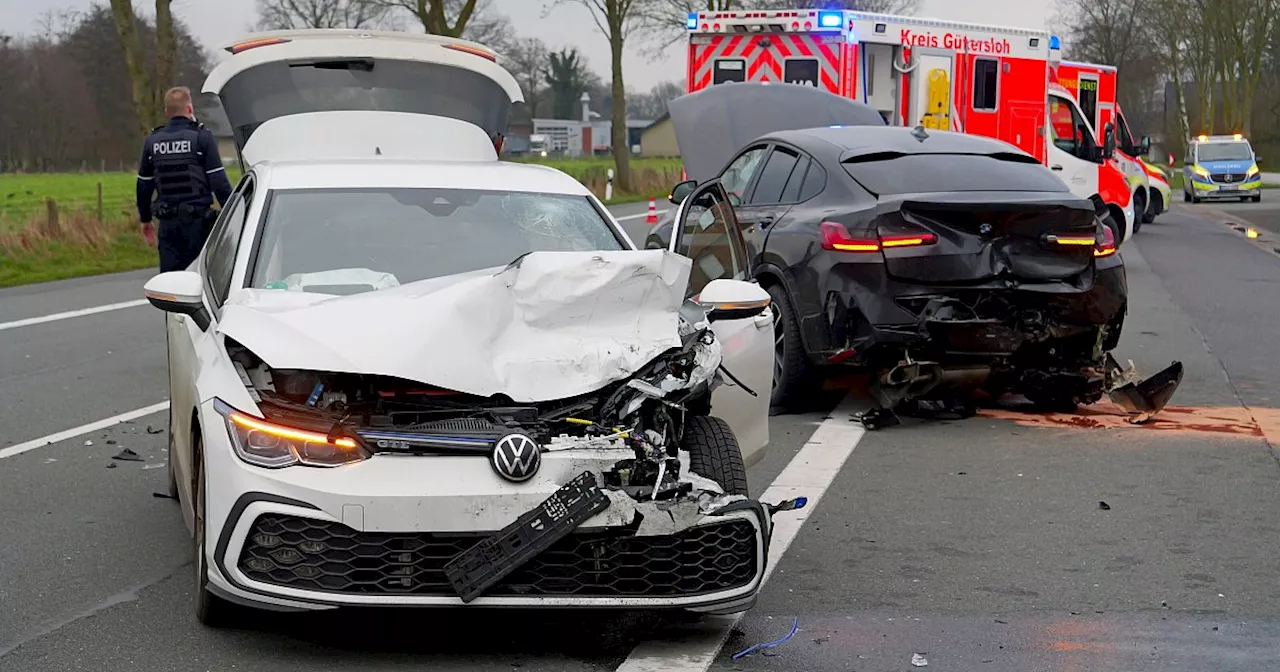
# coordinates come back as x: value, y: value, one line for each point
x: 216, y: 22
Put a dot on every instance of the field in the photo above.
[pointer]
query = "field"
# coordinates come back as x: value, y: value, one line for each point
x: 64, y: 225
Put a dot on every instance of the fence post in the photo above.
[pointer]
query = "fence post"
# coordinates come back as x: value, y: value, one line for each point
x: 51, y: 221
x: 99, y: 202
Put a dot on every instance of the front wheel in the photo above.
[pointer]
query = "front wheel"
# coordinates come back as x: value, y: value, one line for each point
x: 715, y: 454
x: 1186, y: 196
x: 793, y: 373
x: 211, y: 611
x: 1257, y: 198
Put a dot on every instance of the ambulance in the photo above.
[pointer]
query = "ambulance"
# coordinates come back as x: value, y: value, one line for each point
x: 970, y: 78
x: 1095, y: 88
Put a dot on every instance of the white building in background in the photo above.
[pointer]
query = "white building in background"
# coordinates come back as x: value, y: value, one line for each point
x: 591, y: 134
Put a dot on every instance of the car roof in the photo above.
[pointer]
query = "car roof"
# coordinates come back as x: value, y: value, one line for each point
x: 403, y: 174
x: 845, y: 142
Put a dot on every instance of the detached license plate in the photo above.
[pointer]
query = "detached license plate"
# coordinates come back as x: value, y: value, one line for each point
x: 478, y: 568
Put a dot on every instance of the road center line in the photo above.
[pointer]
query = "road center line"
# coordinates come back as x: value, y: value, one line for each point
x: 809, y: 474
x: 71, y: 313
x: 82, y: 430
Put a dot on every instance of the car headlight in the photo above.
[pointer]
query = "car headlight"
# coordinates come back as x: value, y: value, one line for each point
x: 269, y: 444
x: 1253, y: 170
x: 1200, y: 170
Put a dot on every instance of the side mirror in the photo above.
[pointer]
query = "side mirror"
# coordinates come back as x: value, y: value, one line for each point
x: 682, y: 191
x: 1146, y: 144
x: 733, y: 299
x: 1257, y: 159
x: 1109, y: 141
x: 180, y: 292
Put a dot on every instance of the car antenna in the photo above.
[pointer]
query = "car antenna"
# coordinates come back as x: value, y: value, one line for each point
x: 919, y: 133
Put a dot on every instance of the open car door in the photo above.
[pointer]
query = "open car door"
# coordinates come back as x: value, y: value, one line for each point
x: 706, y: 232
x: 327, y: 93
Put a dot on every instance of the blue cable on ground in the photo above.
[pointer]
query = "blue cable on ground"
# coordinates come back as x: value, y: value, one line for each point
x: 768, y: 645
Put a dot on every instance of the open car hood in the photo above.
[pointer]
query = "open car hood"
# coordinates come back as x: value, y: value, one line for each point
x: 714, y: 123
x: 552, y: 326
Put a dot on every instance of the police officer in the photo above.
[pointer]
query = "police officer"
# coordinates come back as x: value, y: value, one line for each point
x: 182, y: 169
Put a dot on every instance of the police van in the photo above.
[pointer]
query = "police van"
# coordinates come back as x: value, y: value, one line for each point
x: 1221, y: 167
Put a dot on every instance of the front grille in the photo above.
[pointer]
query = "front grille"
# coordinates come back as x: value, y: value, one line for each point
x: 330, y: 557
x: 1229, y: 178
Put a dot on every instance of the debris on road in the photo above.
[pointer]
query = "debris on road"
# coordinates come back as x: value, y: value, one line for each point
x: 151, y: 430
x: 111, y: 442
x: 50, y: 460
x: 1141, y: 399
x: 146, y: 467
x: 88, y: 443
x: 918, y: 660
x: 795, y: 625
x: 1104, y: 506
x: 163, y: 495
x: 127, y: 455
x: 111, y: 465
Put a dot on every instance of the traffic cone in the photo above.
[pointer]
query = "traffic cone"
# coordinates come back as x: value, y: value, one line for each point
x: 653, y: 213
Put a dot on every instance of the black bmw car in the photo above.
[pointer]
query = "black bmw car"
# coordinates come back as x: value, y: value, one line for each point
x: 940, y: 262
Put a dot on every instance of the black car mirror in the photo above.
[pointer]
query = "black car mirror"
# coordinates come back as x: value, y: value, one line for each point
x: 681, y: 191
x: 1146, y: 144
x: 1109, y: 141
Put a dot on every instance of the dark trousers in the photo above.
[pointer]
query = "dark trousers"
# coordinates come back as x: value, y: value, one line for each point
x: 179, y: 242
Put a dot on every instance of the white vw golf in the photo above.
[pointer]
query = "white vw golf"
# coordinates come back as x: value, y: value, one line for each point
x: 403, y: 372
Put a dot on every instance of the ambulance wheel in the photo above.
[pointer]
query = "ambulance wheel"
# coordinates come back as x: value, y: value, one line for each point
x: 1195, y: 199
x: 1116, y: 232
x: 1186, y: 197
x: 1257, y: 198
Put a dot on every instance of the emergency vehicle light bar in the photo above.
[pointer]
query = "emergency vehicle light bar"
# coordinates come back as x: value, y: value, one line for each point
x: 784, y: 20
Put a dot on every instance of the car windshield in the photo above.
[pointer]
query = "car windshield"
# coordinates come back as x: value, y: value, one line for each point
x: 1224, y: 151
x: 344, y: 241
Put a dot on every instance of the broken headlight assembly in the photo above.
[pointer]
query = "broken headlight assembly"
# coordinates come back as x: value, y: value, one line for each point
x: 264, y: 443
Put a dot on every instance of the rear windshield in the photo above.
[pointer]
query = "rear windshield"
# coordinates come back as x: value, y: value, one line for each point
x: 345, y: 241
x: 277, y: 89
x: 1224, y: 151
x: 916, y: 173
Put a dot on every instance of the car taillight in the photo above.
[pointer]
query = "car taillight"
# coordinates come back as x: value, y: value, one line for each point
x: 1107, y: 246
x: 836, y: 237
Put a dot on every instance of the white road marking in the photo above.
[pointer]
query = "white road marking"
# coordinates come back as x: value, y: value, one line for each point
x: 71, y: 313
x: 638, y: 215
x: 809, y: 474
x: 82, y: 430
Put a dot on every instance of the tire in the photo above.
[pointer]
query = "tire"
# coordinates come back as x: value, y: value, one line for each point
x: 1139, y: 212
x: 714, y: 453
x: 1257, y: 199
x: 1195, y: 199
x: 1186, y: 196
x: 1112, y: 224
x: 211, y: 611
x: 793, y: 373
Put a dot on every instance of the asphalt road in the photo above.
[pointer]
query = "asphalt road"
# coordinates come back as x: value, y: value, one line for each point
x: 979, y: 544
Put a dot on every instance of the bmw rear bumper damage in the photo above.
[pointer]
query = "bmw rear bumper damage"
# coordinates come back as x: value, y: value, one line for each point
x: 937, y: 350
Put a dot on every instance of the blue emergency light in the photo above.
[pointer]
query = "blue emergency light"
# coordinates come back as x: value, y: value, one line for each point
x: 1055, y: 42
x: 830, y: 19
x: 692, y: 22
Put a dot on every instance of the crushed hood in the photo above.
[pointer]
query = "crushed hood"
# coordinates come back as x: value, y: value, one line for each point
x: 714, y: 123
x: 551, y: 326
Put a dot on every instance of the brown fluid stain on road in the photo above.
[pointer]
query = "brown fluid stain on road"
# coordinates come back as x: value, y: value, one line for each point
x: 1219, y: 420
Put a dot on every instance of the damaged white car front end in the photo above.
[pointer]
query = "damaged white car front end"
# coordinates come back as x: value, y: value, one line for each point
x: 569, y: 461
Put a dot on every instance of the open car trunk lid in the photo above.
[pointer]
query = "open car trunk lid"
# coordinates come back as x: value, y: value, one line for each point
x: 984, y: 237
x: 375, y: 78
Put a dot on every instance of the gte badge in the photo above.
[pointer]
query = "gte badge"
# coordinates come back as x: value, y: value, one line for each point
x: 516, y: 457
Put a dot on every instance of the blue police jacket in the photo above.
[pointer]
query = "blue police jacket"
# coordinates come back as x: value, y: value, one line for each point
x: 181, y: 166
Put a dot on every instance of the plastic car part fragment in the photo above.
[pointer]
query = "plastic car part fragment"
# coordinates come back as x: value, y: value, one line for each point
x: 480, y: 567
x: 1141, y: 399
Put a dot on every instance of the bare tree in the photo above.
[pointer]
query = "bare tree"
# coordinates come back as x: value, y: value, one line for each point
x: 289, y: 14
x: 528, y: 60
x: 618, y: 20
x: 143, y: 96
x: 439, y: 17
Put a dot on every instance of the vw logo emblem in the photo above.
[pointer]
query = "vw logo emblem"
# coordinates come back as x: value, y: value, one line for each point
x: 985, y: 229
x: 516, y: 457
